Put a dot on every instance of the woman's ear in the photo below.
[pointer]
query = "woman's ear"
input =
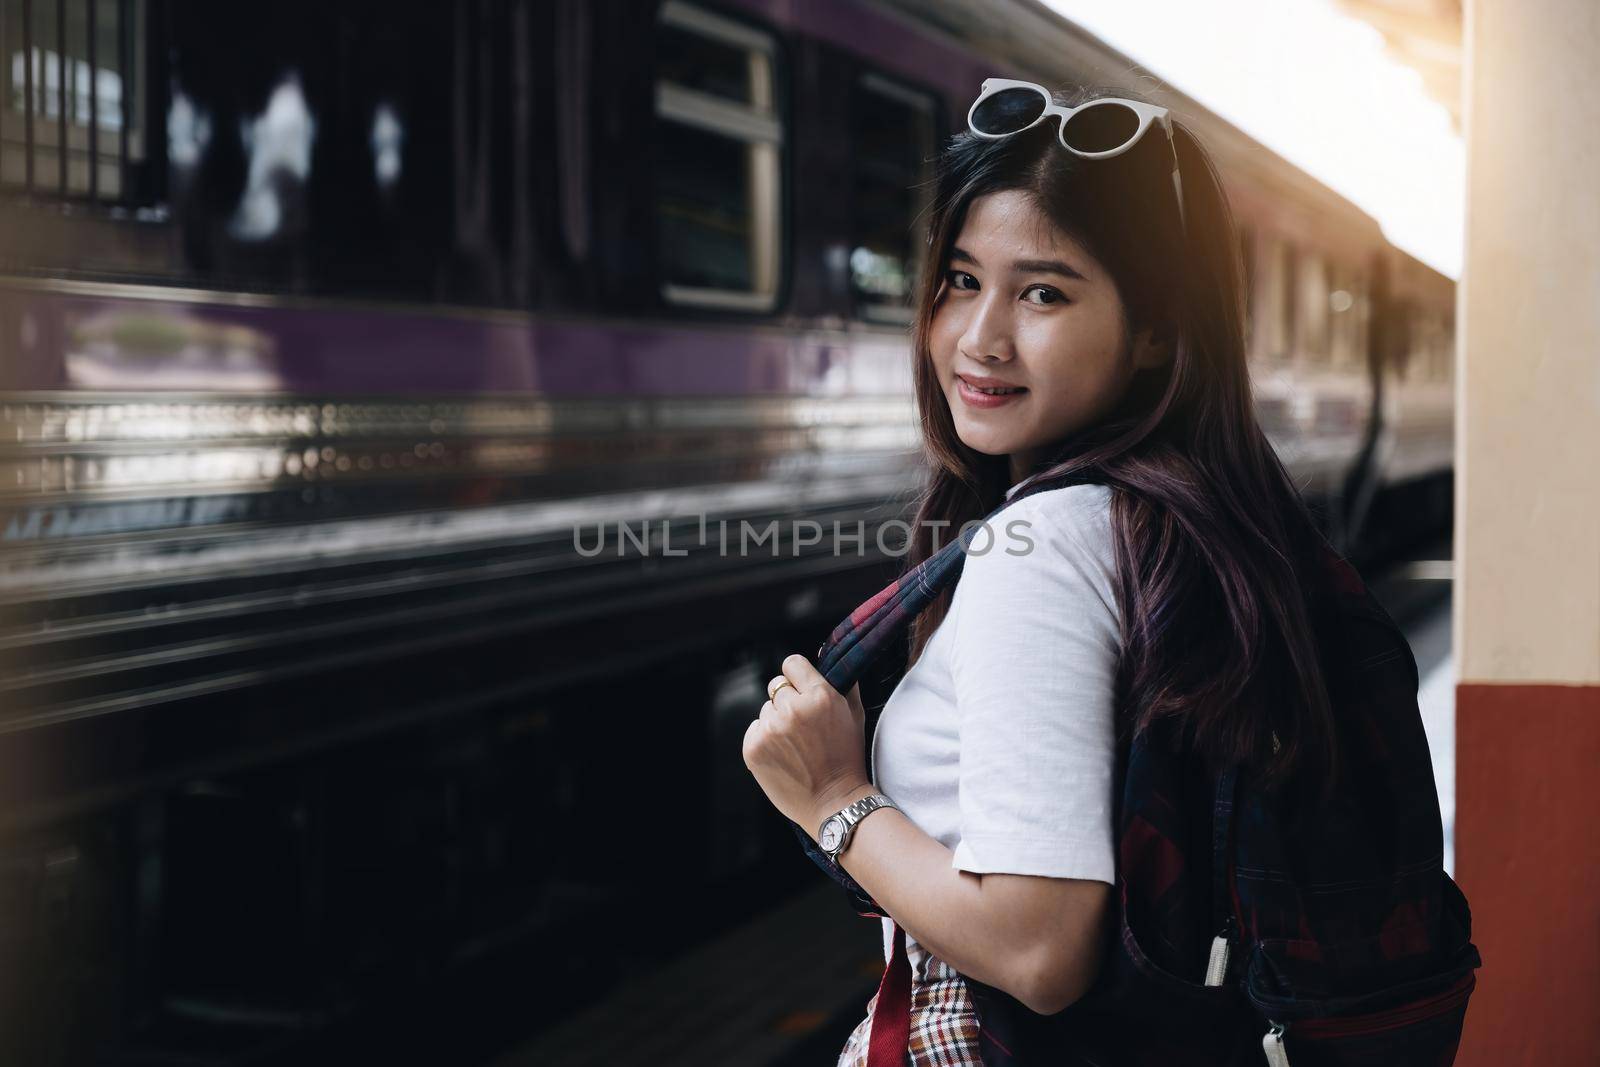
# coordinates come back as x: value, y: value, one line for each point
x: 1151, y: 349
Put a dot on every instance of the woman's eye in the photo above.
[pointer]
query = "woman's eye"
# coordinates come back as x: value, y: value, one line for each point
x: 958, y: 279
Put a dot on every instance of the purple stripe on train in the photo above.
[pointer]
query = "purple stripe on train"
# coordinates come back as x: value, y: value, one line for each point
x: 77, y: 342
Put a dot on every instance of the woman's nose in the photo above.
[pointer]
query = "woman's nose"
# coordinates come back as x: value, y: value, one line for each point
x: 988, y: 329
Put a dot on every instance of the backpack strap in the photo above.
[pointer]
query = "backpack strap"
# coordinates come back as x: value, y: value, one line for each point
x: 1221, y: 853
x: 863, y: 635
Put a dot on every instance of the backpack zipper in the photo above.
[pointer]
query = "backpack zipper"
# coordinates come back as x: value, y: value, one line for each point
x: 1272, y: 1045
x: 1217, y: 966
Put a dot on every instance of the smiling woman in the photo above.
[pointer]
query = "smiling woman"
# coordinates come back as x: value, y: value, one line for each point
x: 1075, y: 322
x: 1029, y: 333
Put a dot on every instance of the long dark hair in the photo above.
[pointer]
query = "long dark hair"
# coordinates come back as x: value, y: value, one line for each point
x: 1217, y: 553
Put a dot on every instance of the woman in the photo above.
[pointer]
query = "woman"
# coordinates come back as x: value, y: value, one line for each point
x: 1104, y: 300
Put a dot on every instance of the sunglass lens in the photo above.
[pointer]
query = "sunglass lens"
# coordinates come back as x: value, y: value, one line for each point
x: 1008, y: 111
x: 1101, y: 127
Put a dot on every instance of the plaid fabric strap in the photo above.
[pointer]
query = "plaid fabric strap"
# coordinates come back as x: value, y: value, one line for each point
x: 891, y: 1015
x: 858, y: 640
x: 849, y: 650
x: 862, y: 636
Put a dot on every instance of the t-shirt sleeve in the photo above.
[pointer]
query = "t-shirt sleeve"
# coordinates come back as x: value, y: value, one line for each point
x: 1033, y: 665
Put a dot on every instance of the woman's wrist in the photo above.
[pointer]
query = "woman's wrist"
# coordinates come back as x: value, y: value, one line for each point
x: 830, y: 801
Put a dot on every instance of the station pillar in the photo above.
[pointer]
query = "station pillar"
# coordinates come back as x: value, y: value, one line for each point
x: 1527, y: 533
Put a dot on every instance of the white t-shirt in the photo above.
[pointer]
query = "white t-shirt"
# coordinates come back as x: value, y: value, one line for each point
x: 999, y: 740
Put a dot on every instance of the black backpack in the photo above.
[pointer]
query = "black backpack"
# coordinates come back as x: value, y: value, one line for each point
x: 1252, y: 927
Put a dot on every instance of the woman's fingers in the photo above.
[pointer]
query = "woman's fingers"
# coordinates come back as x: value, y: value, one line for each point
x: 807, y: 690
x: 806, y: 739
x: 799, y: 670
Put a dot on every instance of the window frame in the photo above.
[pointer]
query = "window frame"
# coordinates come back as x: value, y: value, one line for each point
x: 1313, y: 316
x: 873, y: 80
x: 1280, y: 311
x: 752, y: 125
x: 129, y: 148
x: 1348, y: 327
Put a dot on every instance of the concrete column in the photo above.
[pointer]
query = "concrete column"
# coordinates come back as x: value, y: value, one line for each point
x: 1527, y: 541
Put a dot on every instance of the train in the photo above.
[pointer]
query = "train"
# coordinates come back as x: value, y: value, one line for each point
x: 328, y: 332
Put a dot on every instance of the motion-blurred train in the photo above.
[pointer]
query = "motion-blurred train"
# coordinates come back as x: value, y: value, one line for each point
x: 328, y: 331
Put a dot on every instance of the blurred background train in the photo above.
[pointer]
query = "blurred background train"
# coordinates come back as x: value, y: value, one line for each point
x: 324, y: 325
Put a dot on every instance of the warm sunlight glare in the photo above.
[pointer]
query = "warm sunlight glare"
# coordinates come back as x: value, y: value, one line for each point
x: 1315, y: 86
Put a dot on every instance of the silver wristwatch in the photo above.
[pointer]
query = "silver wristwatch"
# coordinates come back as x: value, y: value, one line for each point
x: 837, y: 829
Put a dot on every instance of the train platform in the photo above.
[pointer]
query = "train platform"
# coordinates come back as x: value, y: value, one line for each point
x: 773, y: 992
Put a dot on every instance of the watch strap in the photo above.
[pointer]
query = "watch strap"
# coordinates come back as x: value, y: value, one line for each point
x: 858, y: 810
x: 853, y: 813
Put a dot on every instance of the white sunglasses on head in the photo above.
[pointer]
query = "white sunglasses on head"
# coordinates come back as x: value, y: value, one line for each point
x: 1095, y: 129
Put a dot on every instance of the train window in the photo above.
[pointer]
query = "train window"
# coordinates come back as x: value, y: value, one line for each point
x: 1416, y: 368
x: 892, y: 129
x: 708, y: 63
x: 1441, y: 346
x: 1447, y: 340
x: 72, y: 106
x: 718, y: 176
x: 1312, y: 312
x: 1428, y: 349
x: 1427, y: 352
x: 1436, y: 347
x: 1404, y: 335
x: 1348, y: 310
x: 1279, y: 298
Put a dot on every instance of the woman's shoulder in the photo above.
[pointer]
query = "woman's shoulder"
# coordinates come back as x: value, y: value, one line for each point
x: 1080, y: 496
x: 1073, y: 518
x: 1049, y: 544
x: 1046, y: 578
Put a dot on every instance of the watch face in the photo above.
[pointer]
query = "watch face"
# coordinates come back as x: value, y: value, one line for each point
x: 832, y: 831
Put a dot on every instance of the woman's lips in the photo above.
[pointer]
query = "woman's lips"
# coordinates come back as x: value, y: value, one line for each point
x: 979, y: 399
